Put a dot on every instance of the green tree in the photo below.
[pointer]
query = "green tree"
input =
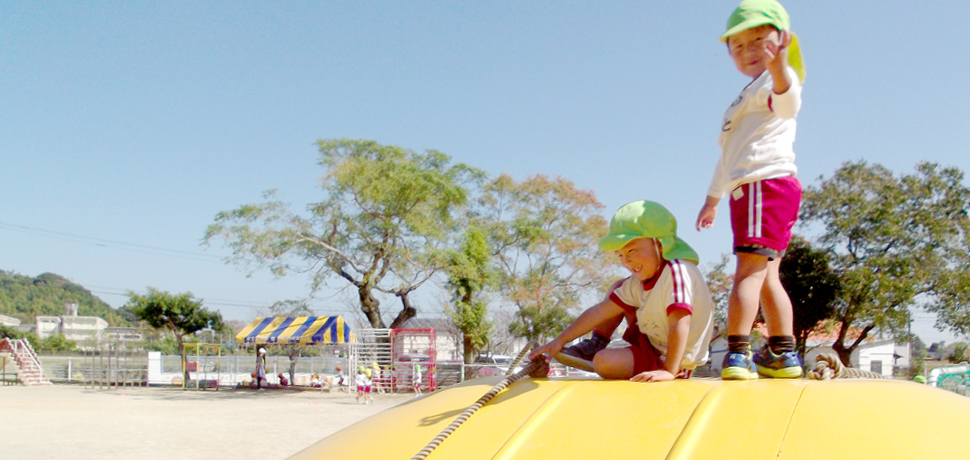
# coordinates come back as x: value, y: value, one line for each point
x: 720, y: 283
x: 24, y: 298
x: 544, y: 234
x: 958, y: 353
x: 56, y: 343
x: 897, y: 242
x: 469, y: 273
x: 382, y: 227
x: 9, y: 333
x: 179, y: 314
x: 812, y: 286
x: 917, y: 355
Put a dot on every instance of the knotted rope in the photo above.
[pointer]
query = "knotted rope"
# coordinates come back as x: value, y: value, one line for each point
x: 830, y: 367
x: 536, y: 369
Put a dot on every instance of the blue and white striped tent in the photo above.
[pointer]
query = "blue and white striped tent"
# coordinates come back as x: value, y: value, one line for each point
x: 306, y: 330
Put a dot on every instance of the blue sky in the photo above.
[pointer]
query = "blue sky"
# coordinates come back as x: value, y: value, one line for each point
x: 126, y: 126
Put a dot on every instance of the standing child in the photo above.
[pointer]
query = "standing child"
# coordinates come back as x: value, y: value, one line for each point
x: 416, y: 379
x: 361, y: 381
x: 757, y: 169
x: 666, y: 302
x: 368, y: 388
x: 260, y: 373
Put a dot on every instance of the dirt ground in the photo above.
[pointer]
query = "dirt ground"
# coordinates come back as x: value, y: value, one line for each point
x: 71, y: 422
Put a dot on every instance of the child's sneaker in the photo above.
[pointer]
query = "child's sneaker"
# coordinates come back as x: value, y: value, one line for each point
x: 588, y: 347
x: 739, y: 366
x: 787, y: 365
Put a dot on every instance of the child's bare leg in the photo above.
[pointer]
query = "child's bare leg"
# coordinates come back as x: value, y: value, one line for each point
x: 776, y: 304
x: 752, y: 269
x: 777, y: 359
x: 743, y: 302
x: 614, y: 363
x: 606, y: 328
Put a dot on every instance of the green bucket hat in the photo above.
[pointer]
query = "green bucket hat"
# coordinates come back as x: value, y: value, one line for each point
x: 646, y: 219
x: 753, y: 13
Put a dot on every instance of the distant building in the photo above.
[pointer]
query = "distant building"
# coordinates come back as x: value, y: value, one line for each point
x: 9, y: 321
x: 122, y: 334
x: 71, y: 326
x: 447, y: 340
x: 47, y: 326
x: 82, y: 328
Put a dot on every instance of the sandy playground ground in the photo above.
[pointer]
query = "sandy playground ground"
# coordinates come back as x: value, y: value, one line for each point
x: 73, y: 422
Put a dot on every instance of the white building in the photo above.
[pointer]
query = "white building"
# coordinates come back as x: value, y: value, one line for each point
x: 122, y: 334
x: 47, y: 326
x: 71, y: 326
x: 9, y: 321
x: 82, y: 328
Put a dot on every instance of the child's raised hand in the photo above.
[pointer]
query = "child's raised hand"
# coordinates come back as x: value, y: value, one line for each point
x: 774, y: 51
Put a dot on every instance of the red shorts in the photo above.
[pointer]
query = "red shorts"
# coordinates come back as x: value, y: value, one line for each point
x: 764, y: 212
x: 646, y: 358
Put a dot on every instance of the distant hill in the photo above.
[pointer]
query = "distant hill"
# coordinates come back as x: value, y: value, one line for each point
x: 23, y: 297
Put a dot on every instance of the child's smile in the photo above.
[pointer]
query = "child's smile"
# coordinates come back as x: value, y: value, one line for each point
x: 752, y: 48
x: 641, y: 257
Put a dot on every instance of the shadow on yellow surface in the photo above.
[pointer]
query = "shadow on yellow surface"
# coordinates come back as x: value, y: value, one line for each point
x: 687, y: 419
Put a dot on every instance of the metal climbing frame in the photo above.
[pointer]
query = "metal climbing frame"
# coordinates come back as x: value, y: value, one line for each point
x: 371, y: 346
x: 410, y: 346
x: 111, y: 365
x: 195, y: 361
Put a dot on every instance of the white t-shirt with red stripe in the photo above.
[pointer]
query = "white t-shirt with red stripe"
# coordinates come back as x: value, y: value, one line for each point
x: 680, y: 285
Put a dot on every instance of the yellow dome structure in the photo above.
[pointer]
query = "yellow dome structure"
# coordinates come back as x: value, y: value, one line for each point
x: 695, y: 419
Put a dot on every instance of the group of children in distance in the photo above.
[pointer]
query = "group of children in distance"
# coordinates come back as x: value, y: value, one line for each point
x: 365, y: 381
x: 666, y: 303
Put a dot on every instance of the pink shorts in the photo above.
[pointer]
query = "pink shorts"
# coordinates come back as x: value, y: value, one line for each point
x: 763, y: 214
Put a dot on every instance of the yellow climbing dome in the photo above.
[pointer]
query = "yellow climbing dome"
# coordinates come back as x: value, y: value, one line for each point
x: 694, y: 419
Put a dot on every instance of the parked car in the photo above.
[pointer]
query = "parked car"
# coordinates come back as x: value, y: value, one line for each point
x: 495, y: 364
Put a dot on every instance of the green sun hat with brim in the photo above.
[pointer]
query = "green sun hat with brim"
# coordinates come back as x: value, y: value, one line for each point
x: 753, y: 13
x: 647, y: 219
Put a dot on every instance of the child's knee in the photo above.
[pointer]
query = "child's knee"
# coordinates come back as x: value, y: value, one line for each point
x: 751, y: 265
x: 613, y: 364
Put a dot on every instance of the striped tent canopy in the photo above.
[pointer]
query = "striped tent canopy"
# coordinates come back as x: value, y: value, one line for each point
x: 306, y: 330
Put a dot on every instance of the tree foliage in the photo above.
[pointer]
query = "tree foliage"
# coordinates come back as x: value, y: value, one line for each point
x: 53, y: 344
x: 24, y: 298
x: 470, y: 273
x: 720, y: 282
x: 385, y: 219
x: 544, y: 234
x: 898, y: 242
x: 179, y: 314
x: 812, y: 286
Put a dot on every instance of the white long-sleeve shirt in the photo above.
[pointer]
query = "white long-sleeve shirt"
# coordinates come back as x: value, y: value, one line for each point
x: 757, y: 135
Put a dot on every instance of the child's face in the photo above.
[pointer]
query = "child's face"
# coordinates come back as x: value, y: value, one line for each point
x: 749, y: 47
x: 642, y: 257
